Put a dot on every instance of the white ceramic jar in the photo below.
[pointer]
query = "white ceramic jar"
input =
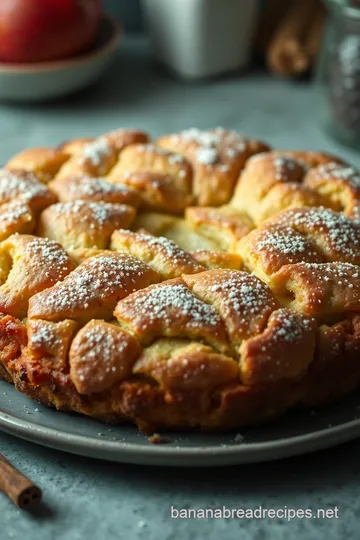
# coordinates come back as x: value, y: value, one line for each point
x: 201, y: 38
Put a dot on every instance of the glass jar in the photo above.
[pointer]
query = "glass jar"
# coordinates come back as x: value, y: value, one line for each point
x: 339, y: 71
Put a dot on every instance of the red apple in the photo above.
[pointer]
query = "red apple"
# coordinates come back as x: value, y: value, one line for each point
x: 41, y: 30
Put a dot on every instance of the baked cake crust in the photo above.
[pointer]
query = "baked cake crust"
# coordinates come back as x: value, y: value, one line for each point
x: 200, y: 281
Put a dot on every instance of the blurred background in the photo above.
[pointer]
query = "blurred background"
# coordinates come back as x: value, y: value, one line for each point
x: 287, y: 69
x: 128, y: 11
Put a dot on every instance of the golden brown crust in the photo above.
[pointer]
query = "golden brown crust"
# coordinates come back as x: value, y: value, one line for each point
x: 74, y: 146
x: 162, y: 179
x: 24, y: 186
x: 84, y: 224
x: 225, y: 225
x: 233, y: 406
x: 161, y: 254
x: 310, y: 158
x: 230, y: 405
x: 92, y: 289
x: 170, y: 309
x: 265, y: 250
x: 333, y: 234
x: 175, y: 229
x: 13, y: 339
x: 95, y: 158
x: 79, y: 255
x: 4, y: 374
x: 338, y: 185
x: 217, y: 259
x: 242, y: 300
x: 275, y: 181
x: 44, y: 162
x: 181, y: 366
x: 217, y: 157
x: 151, y: 158
x: 271, y: 183
x: 88, y: 188
x: 28, y: 266
x: 16, y: 217
x: 52, y: 340
x: 96, y: 344
x: 120, y: 138
x: 284, y: 350
x: 225, y: 316
x: 157, y: 191
x: 335, y: 370
x: 322, y: 290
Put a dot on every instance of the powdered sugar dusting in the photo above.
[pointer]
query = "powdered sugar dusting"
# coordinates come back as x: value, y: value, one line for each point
x: 89, y: 211
x: 96, y: 151
x: 44, y: 336
x: 342, y: 232
x: 175, y: 159
x: 22, y: 185
x: 290, y: 327
x: 246, y: 295
x: 90, y: 187
x: 153, y: 149
x: 214, y: 145
x: 334, y: 287
x: 287, y: 327
x: 94, y: 281
x: 295, y: 157
x: 13, y: 212
x: 332, y: 171
x: 169, y: 250
x: 282, y: 240
x: 285, y: 241
x: 104, y: 344
x: 203, y: 138
x: 207, y: 156
x: 342, y: 273
x: 169, y: 302
x: 50, y: 255
x: 283, y: 167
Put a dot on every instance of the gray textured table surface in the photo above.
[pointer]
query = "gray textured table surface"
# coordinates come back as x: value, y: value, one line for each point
x: 93, y: 500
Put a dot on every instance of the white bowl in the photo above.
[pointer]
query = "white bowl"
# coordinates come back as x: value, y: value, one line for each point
x: 48, y: 80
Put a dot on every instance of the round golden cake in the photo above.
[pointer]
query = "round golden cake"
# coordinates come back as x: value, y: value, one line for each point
x: 199, y: 281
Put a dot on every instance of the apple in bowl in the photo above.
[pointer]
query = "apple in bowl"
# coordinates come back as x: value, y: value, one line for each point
x: 45, y: 30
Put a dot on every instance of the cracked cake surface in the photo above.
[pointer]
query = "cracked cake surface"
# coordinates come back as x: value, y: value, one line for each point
x: 202, y: 280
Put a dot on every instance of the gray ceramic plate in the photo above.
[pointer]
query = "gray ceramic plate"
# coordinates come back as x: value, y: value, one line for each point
x: 297, y: 433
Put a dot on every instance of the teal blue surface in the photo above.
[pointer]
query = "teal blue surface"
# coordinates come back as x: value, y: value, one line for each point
x: 92, y: 500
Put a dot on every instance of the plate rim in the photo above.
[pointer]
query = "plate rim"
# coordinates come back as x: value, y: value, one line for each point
x: 168, y: 455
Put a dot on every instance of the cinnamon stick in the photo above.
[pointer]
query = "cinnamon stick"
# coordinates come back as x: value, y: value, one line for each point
x: 291, y: 50
x: 270, y: 19
x: 22, y: 491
